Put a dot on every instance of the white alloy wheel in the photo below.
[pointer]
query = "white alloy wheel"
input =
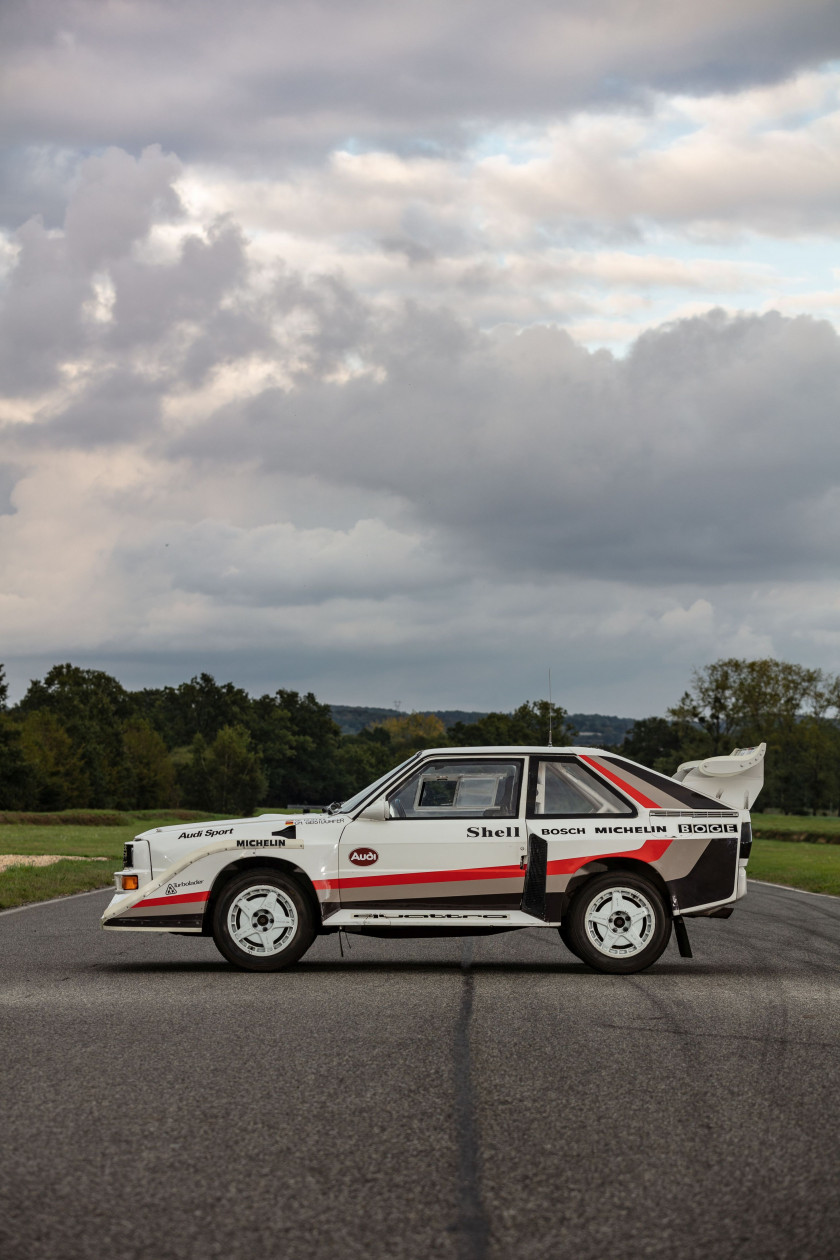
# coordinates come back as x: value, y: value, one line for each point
x: 261, y: 920
x: 619, y: 921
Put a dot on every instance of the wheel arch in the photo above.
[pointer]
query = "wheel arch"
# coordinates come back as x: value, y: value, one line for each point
x: 264, y: 863
x: 633, y: 866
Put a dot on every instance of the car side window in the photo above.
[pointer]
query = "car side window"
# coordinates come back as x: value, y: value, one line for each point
x: 565, y: 788
x: 459, y: 789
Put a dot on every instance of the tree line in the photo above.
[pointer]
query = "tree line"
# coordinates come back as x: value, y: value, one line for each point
x: 78, y: 738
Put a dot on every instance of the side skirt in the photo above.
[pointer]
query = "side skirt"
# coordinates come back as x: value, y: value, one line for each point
x: 435, y: 918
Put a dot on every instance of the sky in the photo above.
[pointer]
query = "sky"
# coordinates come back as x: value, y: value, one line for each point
x: 401, y: 352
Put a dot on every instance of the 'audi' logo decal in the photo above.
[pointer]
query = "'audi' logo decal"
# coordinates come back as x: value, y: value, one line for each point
x: 364, y: 857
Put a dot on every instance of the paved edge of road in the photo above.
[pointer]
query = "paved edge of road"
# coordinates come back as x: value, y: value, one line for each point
x: 55, y: 901
x: 807, y: 892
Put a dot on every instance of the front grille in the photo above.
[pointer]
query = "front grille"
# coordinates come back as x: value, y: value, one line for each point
x: 128, y: 855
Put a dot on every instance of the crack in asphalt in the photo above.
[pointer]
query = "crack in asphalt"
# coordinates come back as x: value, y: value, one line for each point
x: 472, y: 1227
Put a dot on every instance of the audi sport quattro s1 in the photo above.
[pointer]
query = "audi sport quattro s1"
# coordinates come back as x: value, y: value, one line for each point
x: 463, y: 841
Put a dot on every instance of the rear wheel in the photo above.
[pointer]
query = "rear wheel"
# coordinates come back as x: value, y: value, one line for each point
x: 618, y: 923
x: 262, y: 921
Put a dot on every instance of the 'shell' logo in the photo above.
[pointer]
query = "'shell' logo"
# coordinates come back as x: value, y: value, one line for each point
x: 364, y: 857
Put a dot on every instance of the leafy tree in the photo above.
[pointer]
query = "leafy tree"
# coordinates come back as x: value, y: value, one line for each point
x: 526, y: 725
x: 58, y: 779
x: 656, y: 742
x: 365, y: 757
x: 412, y: 731
x: 198, y: 707
x: 226, y: 775
x: 15, y: 774
x: 91, y: 706
x: 302, y: 763
x: 790, y: 707
x: 152, y: 774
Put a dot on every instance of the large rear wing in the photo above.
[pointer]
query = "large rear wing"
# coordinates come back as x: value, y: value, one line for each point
x: 735, y: 780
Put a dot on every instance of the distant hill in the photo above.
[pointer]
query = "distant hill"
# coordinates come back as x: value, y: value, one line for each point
x: 353, y: 718
x: 594, y: 729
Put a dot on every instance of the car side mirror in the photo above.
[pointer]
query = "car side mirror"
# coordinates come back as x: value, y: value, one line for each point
x: 377, y: 811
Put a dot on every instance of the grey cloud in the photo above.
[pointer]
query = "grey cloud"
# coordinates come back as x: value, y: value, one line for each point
x: 10, y: 475
x: 43, y: 321
x: 117, y: 200
x: 544, y: 458
x: 122, y: 406
x: 216, y: 81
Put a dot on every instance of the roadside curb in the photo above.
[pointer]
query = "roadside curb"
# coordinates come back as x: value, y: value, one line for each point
x: 54, y: 901
x: 789, y: 888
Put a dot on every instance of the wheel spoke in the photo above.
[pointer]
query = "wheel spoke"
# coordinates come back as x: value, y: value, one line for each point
x: 634, y: 938
x: 603, y: 920
x: 244, y: 930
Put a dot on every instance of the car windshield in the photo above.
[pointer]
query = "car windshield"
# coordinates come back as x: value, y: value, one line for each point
x: 349, y: 805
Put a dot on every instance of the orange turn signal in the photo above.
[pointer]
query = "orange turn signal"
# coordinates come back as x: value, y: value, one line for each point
x: 130, y: 882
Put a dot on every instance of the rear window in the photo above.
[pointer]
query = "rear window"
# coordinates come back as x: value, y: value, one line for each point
x: 564, y: 788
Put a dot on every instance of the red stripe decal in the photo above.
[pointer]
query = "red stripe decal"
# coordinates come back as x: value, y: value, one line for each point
x: 650, y: 851
x: 625, y: 787
x: 172, y: 901
x: 432, y: 877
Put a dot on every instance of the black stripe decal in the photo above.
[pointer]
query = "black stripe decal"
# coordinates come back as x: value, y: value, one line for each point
x: 533, y: 894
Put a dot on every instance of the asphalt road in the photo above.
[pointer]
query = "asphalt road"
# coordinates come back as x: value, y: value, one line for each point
x: 466, y: 1098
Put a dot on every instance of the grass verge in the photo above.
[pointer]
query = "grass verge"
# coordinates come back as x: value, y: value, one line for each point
x: 814, y: 867
x: 22, y: 885
x: 810, y: 830
x: 76, y: 841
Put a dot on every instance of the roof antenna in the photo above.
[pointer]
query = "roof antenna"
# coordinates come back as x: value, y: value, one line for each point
x: 549, y: 708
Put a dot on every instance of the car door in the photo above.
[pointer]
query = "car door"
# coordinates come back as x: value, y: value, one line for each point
x: 449, y: 837
x: 569, y: 820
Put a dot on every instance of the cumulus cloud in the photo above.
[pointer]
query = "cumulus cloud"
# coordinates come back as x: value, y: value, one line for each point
x: 211, y: 78
x: 359, y: 352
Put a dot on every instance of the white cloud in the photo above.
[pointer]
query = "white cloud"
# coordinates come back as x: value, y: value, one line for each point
x: 301, y: 367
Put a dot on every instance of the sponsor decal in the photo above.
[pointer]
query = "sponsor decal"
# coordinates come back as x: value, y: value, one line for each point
x: 312, y: 820
x: 563, y: 831
x: 707, y: 829
x: 276, y: 842
x: 490, y: 833
x: 206, y: 831
x: 632, y: 831
x: 363, y: 857
x: 172, y: 889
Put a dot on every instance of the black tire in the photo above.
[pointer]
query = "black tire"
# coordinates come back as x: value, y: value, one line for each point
x: 565, y: 936
x: 602, y: 932
x: 272, y: 942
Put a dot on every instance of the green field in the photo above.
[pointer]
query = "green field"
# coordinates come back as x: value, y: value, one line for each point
x: 21, y: 885
x: 99, y: 838
x: 792, y: 827
x: 815, y: 867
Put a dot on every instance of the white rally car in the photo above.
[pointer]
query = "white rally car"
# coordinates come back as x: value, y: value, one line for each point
x: 463, y: 841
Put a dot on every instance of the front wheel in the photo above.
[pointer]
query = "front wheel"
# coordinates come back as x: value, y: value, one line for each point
x: 618, y: 923
x: 262, y: 921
